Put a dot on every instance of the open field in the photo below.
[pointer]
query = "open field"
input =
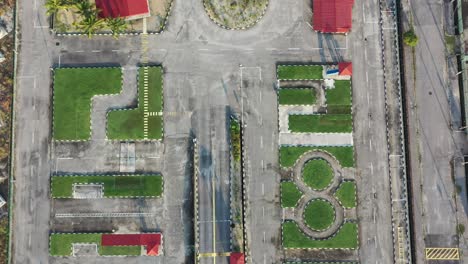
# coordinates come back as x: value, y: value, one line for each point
x: 73, y: 90
x: 131, y: 124
x: 300, y: 72
x: 114, y: 186
x: 61, y: 245
x: 289, y: 154
x: 319, y: 214
x: 317, y: 174
x: 346, y: 194
x: 290, y: 194
x: 295, y: 96
x: 346, y: 237
x: 329, y: 123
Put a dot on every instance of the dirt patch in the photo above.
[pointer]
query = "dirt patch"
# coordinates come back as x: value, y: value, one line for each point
x: 236, y: 14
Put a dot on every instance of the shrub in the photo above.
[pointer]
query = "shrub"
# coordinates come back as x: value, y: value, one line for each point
x: 410, y: 38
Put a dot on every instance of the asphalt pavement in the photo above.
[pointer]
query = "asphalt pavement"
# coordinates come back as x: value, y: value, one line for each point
x: 209, y: 73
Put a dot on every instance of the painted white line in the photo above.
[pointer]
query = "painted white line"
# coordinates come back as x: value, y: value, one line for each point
x: 262, y: 165
x: 367, y: 77
x: 115, y: 50
x: 203, y: 49
x: 96, y: 51
x: 294, y: 48
x: 261, y: 141
x: 263, y: 212
x: 370, y: 144
x: 372, y: 168
x: 264, y: 237
x: 263, y: 193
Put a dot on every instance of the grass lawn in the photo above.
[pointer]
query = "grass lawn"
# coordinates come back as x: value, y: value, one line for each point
x: 289, y: 155
x: 290, y: 194
x: 132, y: 186
x: 346, y: 194
x: 317, y: 174
x: 61, y: 245
x: 339, y: 98
x: 297, y: 96
x: 129, y: 123
x: 345, y: 238
x: 319, y: 214
x: 73, y: 90
x: 300, y: 72
x: 328, y: 123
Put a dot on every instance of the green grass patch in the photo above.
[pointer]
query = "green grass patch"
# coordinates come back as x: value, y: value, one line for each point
x: 319, y: 214
x: 345, y: 238
x: 73, y: 91
x: 329, y: 123
x: 297, y: 96
x: 339, y: 98
x: 450, y: 43
x: 129, y: 123
x: 61, y: 245
x: 132, y: 186
x: 290, y: 194
x: 120, y: 250
x: 300, y: 72
x: 289, y: 155
x: 235, y: 139
x: 346, y: 194
x: 317, y: 174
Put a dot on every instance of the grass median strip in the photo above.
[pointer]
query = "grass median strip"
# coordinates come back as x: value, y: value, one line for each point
x: 290, y: 154
x: 114, y: 185
x: 129, y: 124
x: 345, y: 238
x: 346, y: 194
x: 290, y: 194
x: 297, y: 96
x: 300, y: 72
x: 321, y: 123
x: 73, y: 90
x: 61, y: 245
x: 317, y: 174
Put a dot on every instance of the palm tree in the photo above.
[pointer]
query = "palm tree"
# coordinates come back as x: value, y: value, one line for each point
x: 86, y: 9
x: 116, y: 25
x: 90, y: 25
x: 53, y: 6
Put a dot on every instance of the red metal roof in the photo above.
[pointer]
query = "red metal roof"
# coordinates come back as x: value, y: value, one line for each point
x: 345, y: 68
x: 333, y: 16
x: 122, y: 8
x: 237, y: 258
x: 151, y: 241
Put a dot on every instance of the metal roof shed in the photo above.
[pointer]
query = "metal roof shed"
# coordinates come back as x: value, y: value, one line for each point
x: 332, y: 16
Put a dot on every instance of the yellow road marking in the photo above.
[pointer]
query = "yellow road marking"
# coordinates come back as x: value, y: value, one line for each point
x: 214, y: 217
x: 442, y: 254
x: 212, y: 255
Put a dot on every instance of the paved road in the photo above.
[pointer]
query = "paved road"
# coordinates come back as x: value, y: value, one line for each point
x: 435, y: 149
x: 203, y: 82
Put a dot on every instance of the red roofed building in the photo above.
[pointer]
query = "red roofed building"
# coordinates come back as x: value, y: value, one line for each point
x: 345, y: 68
x: 237, y: 258
x: 333, y: 16
x: 152, y: 242
x: 128, y: 9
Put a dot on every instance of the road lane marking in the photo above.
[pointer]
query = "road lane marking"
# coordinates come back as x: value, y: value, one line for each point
x: 442, y: 253
x: 261, y: 141
x: 370, y: 144
x: 263, y: 189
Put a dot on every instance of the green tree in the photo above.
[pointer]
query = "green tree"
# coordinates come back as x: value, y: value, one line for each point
x: 116, y: 25
x: 53, y: 6
x: 410, y: 38
x: 90, y: 25
x: 85, y: 9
